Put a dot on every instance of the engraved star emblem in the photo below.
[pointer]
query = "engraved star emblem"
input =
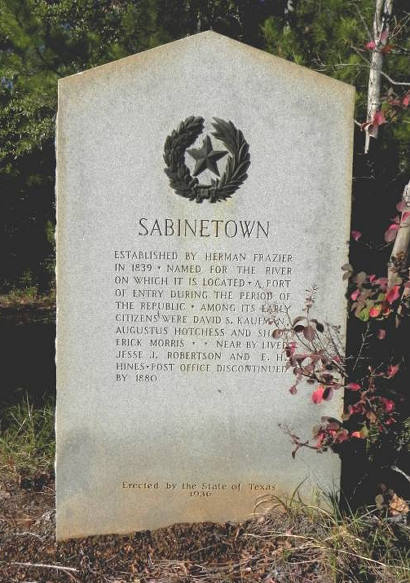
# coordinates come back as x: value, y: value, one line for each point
x: 206, y: 157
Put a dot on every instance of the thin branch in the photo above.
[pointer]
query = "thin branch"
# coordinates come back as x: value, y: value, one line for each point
x: 38, y: 565
x: 396, y: 469
x: 363, y: 344
x: 390, y: 80
x: 359, y: 52
x: 369, y: 34
x: 26, y: 533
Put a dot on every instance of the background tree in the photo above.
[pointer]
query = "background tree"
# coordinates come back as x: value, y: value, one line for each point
x: 42, y: 40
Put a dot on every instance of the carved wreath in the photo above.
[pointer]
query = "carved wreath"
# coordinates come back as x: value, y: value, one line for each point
x: 179, y: 175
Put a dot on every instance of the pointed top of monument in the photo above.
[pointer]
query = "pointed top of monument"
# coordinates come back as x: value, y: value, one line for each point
x: 218, y: 48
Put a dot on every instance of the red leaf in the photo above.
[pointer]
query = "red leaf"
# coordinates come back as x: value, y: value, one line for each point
x: 406, y: 100
x: 290, y: 349
x: 342, y: 436
x: 355, y: 295
x: 353, y: 387
x: 317, y: 396
x: 387, y: 49
x: 356, y: 235
x: 391, y: 233
x: 309, y: 333
x: 375, y: 311
x: 392, y: 370
x: 393, y: 294
x: 378, y: 119
x: 388, y: 404
x: 382, y: 282
x: 371, y: 45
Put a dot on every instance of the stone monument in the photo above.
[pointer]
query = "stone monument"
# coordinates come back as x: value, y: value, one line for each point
x: 200, y: 185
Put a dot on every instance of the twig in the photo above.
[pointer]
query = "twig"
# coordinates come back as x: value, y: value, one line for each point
x: 396, y: 469
x: 367, y: 559
x: 367, y: 66
x: 67, y: 570
x: 363, y: 344
x: 390, y: 80
x: 27, y: 534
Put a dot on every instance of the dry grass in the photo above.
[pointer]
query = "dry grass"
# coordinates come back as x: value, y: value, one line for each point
x: 293, y: 543
x: 27, y: 438
x: 27, y: 297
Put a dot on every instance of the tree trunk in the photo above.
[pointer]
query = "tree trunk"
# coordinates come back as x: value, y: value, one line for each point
x: 381, y: 29
x: 400, y: 249
x: 399, y: 255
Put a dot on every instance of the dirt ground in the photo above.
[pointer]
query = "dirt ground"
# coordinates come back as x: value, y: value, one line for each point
x: 280, y: 547
x: 181, y: 553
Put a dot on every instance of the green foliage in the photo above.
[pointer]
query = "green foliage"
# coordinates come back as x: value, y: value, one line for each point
x: 27, y: 438
x: 330, y: 37
x: 42, y: 41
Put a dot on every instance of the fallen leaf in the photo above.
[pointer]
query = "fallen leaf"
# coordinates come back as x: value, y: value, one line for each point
x: 398, y: 506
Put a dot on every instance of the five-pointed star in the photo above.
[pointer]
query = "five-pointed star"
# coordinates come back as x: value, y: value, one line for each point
x: 206, y: 157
